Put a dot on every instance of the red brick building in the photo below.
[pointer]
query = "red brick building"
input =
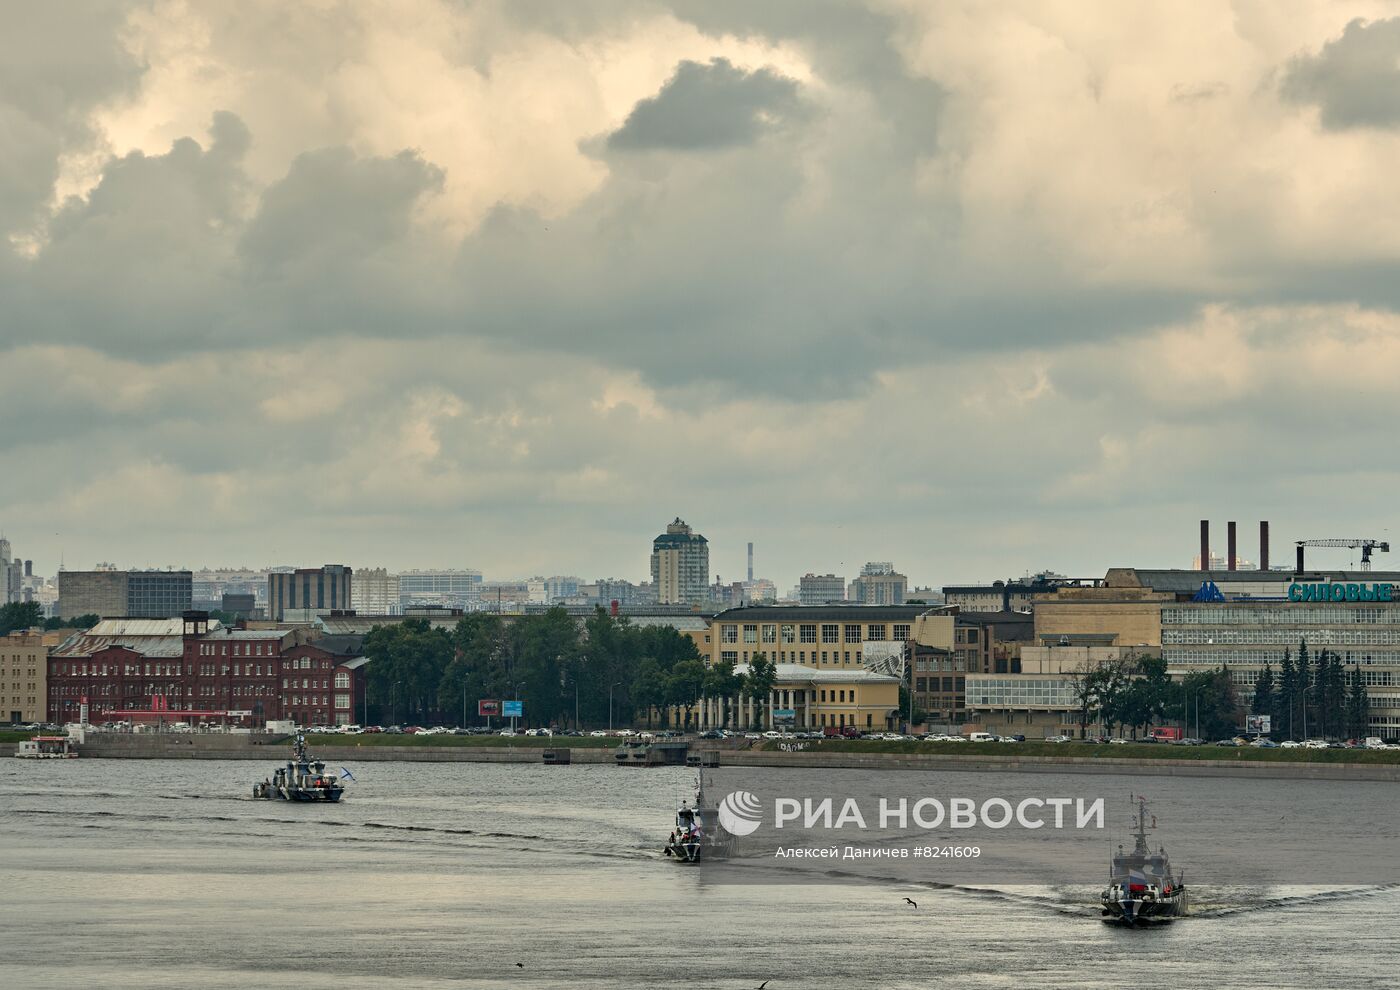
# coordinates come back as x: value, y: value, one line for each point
x: 194, y: 665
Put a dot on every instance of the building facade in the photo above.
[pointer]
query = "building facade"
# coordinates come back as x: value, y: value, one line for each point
x: 375, y: 592
x: 838, y: 666
x: 820, y: 589
x: 451, y: 588
x: 999, y: 596
x: 680, y: 565
x: 190, y: 669
x: 24, y: 675
x: 879, y: 584
x: 124, y: 594
x: 309, y: 589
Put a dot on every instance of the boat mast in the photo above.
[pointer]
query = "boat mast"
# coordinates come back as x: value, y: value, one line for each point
x: 1141, y: 833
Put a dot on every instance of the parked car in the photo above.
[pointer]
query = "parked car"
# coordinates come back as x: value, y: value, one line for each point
x: 1118, y: 741
x: 506, y: 732
x: 1057, y: 739
x: 1263, y: 743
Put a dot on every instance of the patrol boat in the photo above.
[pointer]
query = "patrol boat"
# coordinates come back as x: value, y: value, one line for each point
x: 1142, y: 890
x: 697, y: 834
x: 302, y: 779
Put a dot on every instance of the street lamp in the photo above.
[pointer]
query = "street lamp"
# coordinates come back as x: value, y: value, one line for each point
x: 610, y: 707
x: 394, y: 703
x: 518, y: 686
x: 1197, y: 700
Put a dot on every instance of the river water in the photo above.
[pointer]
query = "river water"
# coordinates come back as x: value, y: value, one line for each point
x: 130, y: 873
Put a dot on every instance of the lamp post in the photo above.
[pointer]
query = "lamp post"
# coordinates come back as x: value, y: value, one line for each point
x: 518, y: 686
x: 1197, y: 700
x: 464, y: 702
x: 610, y: 707
x: 394, y: 703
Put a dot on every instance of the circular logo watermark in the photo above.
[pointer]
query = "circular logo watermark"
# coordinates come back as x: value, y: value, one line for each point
x: 740, y: 813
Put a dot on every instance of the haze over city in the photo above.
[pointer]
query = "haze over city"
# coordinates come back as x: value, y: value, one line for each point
x: 509, y: 285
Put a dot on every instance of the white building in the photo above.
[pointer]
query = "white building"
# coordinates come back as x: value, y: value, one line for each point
x: 375, y: 592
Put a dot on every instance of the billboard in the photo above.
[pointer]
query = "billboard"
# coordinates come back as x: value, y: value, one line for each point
x: 1259, y: 724
x: 513, y: 709
x: 784, y: 714
x: 488, y: 707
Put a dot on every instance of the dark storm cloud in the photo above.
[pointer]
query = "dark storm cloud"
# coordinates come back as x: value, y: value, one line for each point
x: 1354, y: 80
x: 708, y: 106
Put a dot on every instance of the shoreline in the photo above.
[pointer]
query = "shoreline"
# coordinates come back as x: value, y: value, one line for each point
x: 273, y: 749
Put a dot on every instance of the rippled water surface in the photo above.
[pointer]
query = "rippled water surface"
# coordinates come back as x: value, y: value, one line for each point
x: 129, y: 873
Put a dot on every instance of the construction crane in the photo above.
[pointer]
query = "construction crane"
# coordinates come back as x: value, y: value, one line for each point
x: 1366, y: 546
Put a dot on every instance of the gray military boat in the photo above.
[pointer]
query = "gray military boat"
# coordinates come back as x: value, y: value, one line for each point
x: 1142, y: 890
x: 302, y: 779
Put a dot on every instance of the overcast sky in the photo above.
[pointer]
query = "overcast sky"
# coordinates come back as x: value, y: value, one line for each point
x: 976, y: 288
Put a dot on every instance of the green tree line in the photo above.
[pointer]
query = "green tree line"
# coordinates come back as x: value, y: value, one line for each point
x: 604, y: 671
x: 1313, y: 697
x: 30, y: 615
x: 1135, y: 693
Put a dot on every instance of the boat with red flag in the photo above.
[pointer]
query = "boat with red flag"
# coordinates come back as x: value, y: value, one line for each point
x: 1142, y: 889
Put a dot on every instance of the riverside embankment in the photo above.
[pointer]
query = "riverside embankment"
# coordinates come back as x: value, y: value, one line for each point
x: 1027, y: 758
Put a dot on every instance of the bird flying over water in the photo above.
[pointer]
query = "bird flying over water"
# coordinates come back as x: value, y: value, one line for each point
x: 911, y: 903
x: 521, y: 965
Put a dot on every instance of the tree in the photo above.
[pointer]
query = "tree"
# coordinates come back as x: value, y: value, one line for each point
x: 1265, y: 700
x: 1302, y: 682
x: 20, y: 615
x: 79, y: 622
x: 649, y: 687
x: 1287, y: 695
x: 1358, y: 707
x: 1085, y: 682
x: 758, y: 685
x: 684, y: 685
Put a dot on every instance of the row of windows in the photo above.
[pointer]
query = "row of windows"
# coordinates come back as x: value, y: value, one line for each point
x: 1282, y: 615
x: 946, y: 684
x: 994, y: 692
x: 796, y: 656
x: 254, y: 649
x: 1348, y: 658
x: 807, y: 632
x: 1384, y: 636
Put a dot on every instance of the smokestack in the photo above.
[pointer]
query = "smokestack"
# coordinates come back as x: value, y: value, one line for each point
x: 1264, y: 545
x: 1205, y: 544
x: 1232, y: 560
x: 750, y: 563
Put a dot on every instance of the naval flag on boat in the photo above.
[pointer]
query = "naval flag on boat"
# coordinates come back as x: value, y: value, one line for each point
x: 346, y: 774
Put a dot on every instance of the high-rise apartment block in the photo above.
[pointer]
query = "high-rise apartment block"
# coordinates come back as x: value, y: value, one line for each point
x: 879, y: 584
x: 11, y: 575
x: 111, y: 593
x: 375, y: 592
x: 308, y: 590
x: 680, y: 565
x: 819, y: 589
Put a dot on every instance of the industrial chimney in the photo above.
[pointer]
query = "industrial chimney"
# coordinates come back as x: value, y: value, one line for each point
x: 1232, y: 561
x: 1264, y: 545
x: 751, y: 562
x: 1205, y: 544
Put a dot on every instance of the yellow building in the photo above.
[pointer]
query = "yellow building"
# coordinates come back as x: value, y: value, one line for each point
x: 24, y: 675
x: 837, y: 666
x: 1102, y: 616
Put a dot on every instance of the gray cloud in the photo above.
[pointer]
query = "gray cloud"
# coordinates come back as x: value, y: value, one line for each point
x: 709, y: 106
x: 1354, y: 80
